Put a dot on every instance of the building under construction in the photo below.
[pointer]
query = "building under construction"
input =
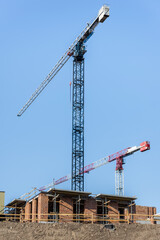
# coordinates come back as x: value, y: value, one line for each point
x: 77, y: 206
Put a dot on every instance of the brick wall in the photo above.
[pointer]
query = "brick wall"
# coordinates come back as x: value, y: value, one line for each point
x: 42, y: 207
x: 113, y: 209
x: 27, y: 211
x: 90, y: 208
x: 144, y: 212
x: 34, y: 203
x: 66, y: 207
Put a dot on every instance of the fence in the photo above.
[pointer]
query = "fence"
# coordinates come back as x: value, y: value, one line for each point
x: 82, y: 218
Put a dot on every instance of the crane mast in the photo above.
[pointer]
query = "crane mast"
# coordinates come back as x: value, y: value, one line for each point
x: 77, y: 50
x: 78, y: 118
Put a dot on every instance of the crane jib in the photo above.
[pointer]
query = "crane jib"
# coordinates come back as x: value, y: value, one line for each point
x: 101, y: 162
x: 84, y: 35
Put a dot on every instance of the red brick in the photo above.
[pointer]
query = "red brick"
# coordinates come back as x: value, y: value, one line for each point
x: 144, y: 212
x: 42, y: 207
x: 28, y: 211
x: 66, y: 207
x: 34, y: 202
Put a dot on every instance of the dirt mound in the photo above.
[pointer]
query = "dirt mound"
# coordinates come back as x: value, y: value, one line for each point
x: 72, y: 231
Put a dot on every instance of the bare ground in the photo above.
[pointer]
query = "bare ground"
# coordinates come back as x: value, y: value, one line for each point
x: 72, y: 231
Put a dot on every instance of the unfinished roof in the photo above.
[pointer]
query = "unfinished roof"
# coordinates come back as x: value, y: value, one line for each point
x: 17, y: 203
x: 114, y: 197
x: 68, y: 192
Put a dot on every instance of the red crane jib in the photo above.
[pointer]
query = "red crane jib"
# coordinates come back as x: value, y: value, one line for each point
x: 117, y: 155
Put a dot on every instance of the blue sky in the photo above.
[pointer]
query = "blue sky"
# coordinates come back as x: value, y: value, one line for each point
x: 121, y: 94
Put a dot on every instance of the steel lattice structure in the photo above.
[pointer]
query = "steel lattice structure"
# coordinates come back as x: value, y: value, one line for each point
x: 78, y: 120
x: 119, y: 182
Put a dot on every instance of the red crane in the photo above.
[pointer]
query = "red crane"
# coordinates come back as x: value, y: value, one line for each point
x: 119, y: 174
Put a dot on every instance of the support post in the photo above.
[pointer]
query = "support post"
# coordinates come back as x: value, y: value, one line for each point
x: 79, y: 207
x: 131, y: 211
x: 103, y: 210
x: 54, y: 206
x: 15, y: 212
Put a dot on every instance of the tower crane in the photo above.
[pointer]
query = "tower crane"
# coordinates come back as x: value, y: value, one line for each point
x: 77, y: 50
x: 119, y: 172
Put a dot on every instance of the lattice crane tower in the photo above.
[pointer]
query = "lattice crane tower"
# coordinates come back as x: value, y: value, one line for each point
x: 77, y: 50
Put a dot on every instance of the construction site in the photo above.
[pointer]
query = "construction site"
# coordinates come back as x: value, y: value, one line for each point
x: 70, y: 214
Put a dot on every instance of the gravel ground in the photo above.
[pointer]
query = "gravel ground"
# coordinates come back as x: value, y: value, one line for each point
x: 72, y: 231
